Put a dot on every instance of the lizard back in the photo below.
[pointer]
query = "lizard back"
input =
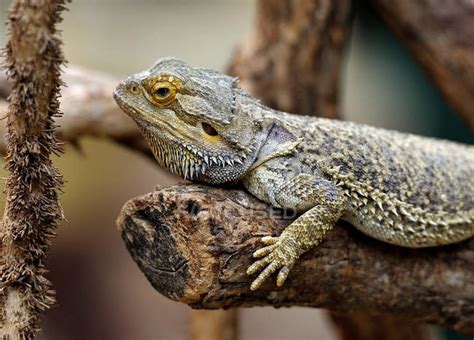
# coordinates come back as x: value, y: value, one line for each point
x: 395, y: 181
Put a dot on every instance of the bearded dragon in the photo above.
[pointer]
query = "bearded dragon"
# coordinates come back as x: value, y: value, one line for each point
x: 399, y: 188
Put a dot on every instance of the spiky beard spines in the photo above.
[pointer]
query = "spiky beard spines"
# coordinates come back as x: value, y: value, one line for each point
x: 185, y: 160
x: 176, y: 158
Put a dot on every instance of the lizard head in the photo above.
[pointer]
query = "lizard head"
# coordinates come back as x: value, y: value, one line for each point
x: 192, y: 120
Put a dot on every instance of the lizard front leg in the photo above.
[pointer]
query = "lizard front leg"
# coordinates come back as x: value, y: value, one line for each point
x: 322, y: 204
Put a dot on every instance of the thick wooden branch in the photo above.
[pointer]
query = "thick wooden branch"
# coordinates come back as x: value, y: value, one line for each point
x: 441, y: 36
x: 194, y: 244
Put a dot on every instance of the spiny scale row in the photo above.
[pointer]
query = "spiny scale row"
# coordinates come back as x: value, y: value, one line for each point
x: 362, y: 193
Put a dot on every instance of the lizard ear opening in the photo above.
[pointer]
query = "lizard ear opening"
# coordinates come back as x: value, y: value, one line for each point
x: 208, y: 129
x: 279, y: 142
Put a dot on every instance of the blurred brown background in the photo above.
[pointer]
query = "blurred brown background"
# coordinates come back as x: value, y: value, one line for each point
x: 101, y: 293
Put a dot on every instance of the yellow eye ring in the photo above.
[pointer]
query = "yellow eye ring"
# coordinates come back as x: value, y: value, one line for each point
x: 163, y: 92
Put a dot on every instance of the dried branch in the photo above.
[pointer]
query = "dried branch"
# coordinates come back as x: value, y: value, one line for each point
x: 33, y: 61
x: 194, y: 244
x: 441, y: 36
x: 89, y: 110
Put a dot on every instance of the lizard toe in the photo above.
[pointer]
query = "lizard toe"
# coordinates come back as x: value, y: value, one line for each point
x: 259, y: 265
x: 269, y: 270
x: 282, y: 275
x: 264, y: 251
x: 269, y: 240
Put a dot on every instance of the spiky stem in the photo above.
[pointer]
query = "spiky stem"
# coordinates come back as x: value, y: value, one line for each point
x: 33, y: 60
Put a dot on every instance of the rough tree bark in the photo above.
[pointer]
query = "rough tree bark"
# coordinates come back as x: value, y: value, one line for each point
x: 441, y: 36
x: 194, y: 244
x: 33, y: 61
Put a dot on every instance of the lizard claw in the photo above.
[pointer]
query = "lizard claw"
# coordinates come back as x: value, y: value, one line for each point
x: 273, y: 257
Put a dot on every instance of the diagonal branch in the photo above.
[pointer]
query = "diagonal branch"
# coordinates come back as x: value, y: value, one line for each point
x: 88, y: 111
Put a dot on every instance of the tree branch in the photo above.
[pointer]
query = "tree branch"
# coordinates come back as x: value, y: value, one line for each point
x: 194, y: 244
x: 89, y: 110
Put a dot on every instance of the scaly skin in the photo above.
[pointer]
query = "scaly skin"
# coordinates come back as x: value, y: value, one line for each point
x: 398, y: 188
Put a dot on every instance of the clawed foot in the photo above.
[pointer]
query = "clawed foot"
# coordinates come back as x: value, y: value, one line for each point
x: 278, y: 254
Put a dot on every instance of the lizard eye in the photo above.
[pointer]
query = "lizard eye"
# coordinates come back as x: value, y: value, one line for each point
x: 208, y: 129
x: 163, y: 92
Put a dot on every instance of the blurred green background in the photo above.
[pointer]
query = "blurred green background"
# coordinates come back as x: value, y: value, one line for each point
x: 101, y: 293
